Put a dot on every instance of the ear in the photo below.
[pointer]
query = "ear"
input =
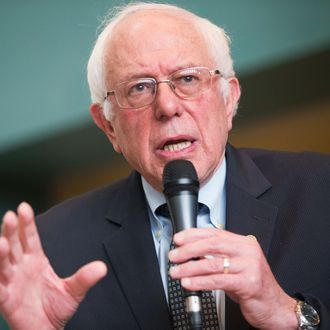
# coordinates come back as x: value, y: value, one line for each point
x: 231, y: 101
x: 105, y: 125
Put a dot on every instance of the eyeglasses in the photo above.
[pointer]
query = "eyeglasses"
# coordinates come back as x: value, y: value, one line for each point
x: 187, y: 84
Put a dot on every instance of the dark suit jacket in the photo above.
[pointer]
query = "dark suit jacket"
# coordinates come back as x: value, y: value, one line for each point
x: 281, y: 198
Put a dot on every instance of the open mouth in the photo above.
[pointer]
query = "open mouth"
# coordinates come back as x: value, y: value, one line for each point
x: 173, y: 146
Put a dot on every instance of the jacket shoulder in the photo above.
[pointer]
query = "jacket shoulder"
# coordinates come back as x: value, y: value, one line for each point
x: 305, y: 163
x: 296, y: 172
x: 88, y: 210
x: 73, y: 206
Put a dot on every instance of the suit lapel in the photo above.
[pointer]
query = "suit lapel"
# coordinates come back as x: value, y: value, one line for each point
x: 246, y: 212
x: 132, y: 255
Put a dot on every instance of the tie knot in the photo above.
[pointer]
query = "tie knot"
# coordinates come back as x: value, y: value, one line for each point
x: 163, y: 211
x: 203, y: 209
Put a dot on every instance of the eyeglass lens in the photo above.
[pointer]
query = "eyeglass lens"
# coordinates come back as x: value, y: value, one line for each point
x: 187, y: 84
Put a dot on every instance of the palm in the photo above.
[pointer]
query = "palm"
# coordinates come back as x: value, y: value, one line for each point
x: 32, y: 296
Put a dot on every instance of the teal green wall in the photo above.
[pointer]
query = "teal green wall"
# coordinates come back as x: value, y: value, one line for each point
x: 45, y: 46
x: 3, y: 325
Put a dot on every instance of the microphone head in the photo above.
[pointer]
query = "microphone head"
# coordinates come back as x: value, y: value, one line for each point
x: 180, y: 175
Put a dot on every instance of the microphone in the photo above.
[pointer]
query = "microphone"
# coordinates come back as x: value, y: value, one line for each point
x: 181, y: 188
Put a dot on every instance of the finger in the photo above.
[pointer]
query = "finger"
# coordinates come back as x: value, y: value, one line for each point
x: 28, y: 230
x: 207, y: 266
x: 195, y: 250
x: 211, y: 246
x: 195, y: 234
x: 6, y: 269
x: 226, y: 282
x: 86, y: 277
x: 216, y: 244
x: 242, y: 275
x: 11, y: 232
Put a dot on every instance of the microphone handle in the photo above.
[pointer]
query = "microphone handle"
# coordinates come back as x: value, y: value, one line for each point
x: 194, y: 310
x: 183, y: 206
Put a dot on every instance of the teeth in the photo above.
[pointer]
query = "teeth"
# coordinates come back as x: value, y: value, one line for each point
x: 177, y: 146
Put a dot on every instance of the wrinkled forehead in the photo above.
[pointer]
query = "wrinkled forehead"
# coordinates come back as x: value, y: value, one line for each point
x: 148, y: 33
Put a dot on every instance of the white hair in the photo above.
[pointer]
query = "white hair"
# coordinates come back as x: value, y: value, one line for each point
x: 215, y: 37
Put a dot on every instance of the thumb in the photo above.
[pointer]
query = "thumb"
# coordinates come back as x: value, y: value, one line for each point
x: 87, y: 276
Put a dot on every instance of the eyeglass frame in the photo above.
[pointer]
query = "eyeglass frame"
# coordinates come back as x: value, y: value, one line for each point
x: 213, y: 73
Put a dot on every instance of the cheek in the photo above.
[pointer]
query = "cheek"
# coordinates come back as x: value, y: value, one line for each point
x: 131, y: 132
x: 213, y: 127
x: 210, y: 115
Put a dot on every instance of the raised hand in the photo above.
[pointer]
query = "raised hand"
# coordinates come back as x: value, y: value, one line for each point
x: 246, y: 277
x: 32, y: 296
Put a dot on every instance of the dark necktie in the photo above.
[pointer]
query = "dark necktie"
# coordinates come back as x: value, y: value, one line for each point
x: 176, y: 299
x: 178, y: 310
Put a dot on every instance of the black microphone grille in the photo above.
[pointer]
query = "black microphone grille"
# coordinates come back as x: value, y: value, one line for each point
x: 178, y: 170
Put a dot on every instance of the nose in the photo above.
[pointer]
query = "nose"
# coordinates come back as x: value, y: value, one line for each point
x: 167, y: 103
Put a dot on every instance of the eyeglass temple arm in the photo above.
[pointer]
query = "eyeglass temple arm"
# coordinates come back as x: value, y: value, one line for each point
x: 108, y: 94
x: 216, y: 72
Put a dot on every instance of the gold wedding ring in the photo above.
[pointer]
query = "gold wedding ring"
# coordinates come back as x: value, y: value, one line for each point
x: 226, y: 265
x: 252, y: 237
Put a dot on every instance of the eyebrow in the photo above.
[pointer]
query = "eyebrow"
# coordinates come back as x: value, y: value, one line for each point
x: 146, y: 75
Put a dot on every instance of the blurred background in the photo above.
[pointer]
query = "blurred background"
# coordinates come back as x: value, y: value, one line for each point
x: 49, y: 148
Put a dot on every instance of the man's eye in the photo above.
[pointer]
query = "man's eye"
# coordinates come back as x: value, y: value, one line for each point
x: 140, y: 88
x: 188, y: 79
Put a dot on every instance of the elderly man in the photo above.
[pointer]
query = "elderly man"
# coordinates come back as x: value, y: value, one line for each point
x: 163, y: 88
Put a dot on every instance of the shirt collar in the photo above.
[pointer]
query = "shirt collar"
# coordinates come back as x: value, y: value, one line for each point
x: 154, y: 197
x: 212, y: 194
